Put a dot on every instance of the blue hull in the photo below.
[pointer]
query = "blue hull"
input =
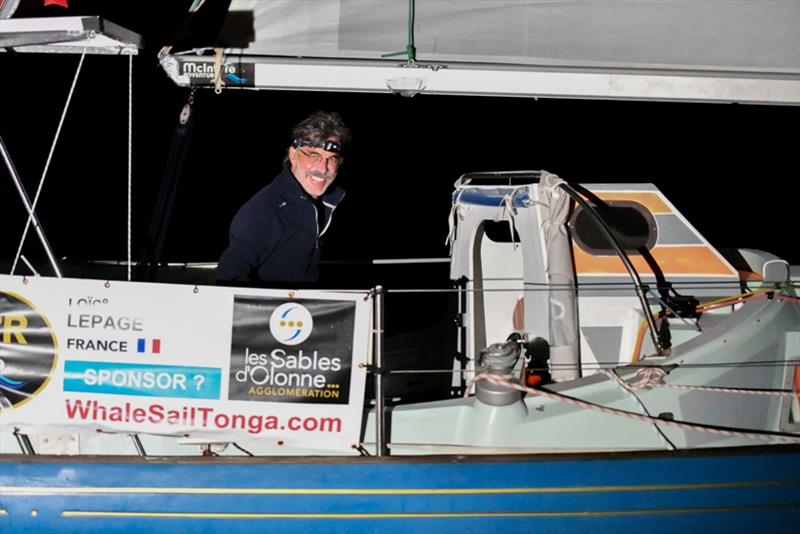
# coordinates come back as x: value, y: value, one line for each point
x: 710, y: 491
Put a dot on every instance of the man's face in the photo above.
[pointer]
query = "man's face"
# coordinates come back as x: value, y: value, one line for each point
x: 314, y: 168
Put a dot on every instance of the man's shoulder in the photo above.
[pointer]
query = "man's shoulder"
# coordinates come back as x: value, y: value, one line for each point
x: 274, y: 191
x: 258, y: 207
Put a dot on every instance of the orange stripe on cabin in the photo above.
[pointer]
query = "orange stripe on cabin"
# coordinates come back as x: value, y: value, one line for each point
x: 680, y: 260
x: 649, y: 199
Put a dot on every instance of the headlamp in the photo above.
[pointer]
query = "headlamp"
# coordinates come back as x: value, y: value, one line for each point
x: 330, y: 146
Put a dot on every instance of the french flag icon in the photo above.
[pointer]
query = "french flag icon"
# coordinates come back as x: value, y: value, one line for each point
x: 155, y: 345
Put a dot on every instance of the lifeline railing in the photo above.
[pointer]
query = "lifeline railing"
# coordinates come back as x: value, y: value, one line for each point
x: 380, y: 411
x: 380, y: 371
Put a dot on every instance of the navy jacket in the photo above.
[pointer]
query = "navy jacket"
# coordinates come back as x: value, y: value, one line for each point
x: 274, y: 236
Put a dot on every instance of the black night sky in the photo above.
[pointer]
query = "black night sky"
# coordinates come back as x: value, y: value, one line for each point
x: 731, y: 169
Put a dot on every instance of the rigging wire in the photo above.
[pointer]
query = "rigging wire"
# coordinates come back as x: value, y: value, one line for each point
x: 47, y: 163
x: 748, y: 433
x: 130, y: 156
x: 613, y: 375
x: 595, y: 286
x: 791, y: 362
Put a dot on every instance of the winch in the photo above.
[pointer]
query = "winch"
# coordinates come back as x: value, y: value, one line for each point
x: 498, y: 359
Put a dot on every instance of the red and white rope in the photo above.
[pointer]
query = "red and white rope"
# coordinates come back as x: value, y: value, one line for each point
x: 653, y: 377
x: 477, y: 378
x: 710, y: 429
x: 642, y: 408
x: 767, y: 392
x: 648, y: 377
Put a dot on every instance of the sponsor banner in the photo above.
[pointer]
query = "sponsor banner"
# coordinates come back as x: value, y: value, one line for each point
x: 304, y: 356
x: 205, y: 362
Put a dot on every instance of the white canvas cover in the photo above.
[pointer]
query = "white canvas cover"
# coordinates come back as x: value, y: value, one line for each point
x: 554, y: 206
x: 712, y: 50
x: 697, y: 35
x: 538, y: 212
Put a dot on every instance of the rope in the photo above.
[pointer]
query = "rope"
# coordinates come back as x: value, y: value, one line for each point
x: 218, y: 52
x: 47, y: 164
x: 653, y: 377
x: 410, y: 48
x: 734, y: 300
x: 714, y: 304
x: 410, y: 51
x: 130, y: 152
x: 614, y: 376
x: 743, y: 391
x: 605, y: 286
x: 533, y: 288
x: 730, y: 300
x: 753, y: 298
x: 479, y: 377
x: 648, y: 377
x: 455, y: 213
x: 763, y: 435
x: 598, y: 367
x: 508, y: 206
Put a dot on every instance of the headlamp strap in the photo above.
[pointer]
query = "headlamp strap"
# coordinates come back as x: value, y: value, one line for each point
x: 330, y: 146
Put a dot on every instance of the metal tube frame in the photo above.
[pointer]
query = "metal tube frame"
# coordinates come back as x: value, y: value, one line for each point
x: 377, y: 363
x: 24, y: 443
x: 29, y: 208
x: 138, y: 444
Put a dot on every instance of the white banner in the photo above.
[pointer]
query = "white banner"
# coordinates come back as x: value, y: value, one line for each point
x: 200, y: 362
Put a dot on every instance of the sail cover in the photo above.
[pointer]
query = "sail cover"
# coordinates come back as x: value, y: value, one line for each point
x: 554, y: 207
x: 703, y: 50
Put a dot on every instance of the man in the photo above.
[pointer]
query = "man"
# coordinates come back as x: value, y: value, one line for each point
x: 274, y: 237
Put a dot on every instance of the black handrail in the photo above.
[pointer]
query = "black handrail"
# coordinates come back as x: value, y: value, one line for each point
x: 637, y: 281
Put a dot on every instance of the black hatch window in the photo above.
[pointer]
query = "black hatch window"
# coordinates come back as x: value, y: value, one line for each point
x: 630, y: 222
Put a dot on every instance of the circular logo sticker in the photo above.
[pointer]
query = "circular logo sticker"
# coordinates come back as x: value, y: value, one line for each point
x: 27, y: 351
x: 291, y: 323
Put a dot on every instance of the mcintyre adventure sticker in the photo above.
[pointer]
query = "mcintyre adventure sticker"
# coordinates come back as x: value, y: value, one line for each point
x: 234, y: 74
